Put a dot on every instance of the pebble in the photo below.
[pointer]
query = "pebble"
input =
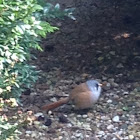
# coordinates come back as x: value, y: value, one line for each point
x: 116, y: 119
x: 38, y: 114
x: 78, y: 135
x: 126, y: 93
x: 27, y: 135
x: 114, y: 138
x: 131, y: 137
x: 104, y: 78
x: 100, y: 58
x: 101, y: 133
x: 69, y: 125
x: 115, y: 85
x: 120, y: 65
x: 48, y: 122
x: 79, y: 116
x: 73, y: 137
x: 126, y: 138
x: 43, y: 127
x: 53, y: 99
x: 105, y: 118
x: 50, y: 112
x: 87, y: 126
x: 41, y: 118
x: 79, y: 124
x: 88, y: 119
x: 108, y: 85
x: 60, y: 137
x: 28, y: 132
x: 63, y: 119
x: 84, y: 116
x: 33, y: 93
x: 112, y: 52
x: 110, y: 126
x: 34, y: 134
x: 111, y: 80
x: 109, y: 101
x: 36, y: 123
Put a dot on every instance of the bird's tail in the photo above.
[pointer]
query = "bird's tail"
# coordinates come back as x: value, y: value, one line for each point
x: 55, y: 104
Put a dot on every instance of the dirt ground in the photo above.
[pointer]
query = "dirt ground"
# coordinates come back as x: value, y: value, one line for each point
x: 103, y: 43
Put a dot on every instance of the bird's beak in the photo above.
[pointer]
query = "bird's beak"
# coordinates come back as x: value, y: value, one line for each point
x: 100, y: 84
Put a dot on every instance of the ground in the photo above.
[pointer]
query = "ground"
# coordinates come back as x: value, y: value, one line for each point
x: 103, y: 44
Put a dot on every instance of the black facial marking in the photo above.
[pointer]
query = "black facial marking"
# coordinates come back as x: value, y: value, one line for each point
x: 97, y: 86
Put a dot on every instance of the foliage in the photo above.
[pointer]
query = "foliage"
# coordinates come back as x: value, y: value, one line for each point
x: 54, y: 11
x: 20, y: 31
x: 7, y: 130
x: 22, y: 25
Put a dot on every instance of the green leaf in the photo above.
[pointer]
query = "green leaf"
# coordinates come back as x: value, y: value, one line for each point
x: 38, y: 7
x: 57, y: 6
x: 4, y: 126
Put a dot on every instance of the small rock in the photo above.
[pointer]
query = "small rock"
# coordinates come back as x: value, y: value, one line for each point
x: 27, y: 135
x: 114, y: 138
x: 110, y: 126
x: 100, y: 58
x: 41, y: 118
x: 50, y: 112
x: 51, y: 130
x: 28, y: 132
x: 131, y: 137
x: 126, y: 138
x: 105, y: 118
x: 34, y: 134
x: 101, y: 133
x: 112, y: 52
x: 126, y: 93
x: 69, y: 125
x: 44, y: 127
x: 116, y: 97
x: 111, y: 80
x: 87, y: 126
x: 78, y: 135
x: 109, y: 101
x: 36, y: 123
x: 84, y: 116
x: 88, y: 119
x: 73, y: 137
x: 48, y: 122
x: 53, y: 99
x: 63, y: 119
x: 124, y: 126
x: 107, y: 85
x: 115, y: 85
x: 60, y: 137
x: 104, y: 78
x: 79, y: 116
x: 120, y: 65
x: 116, y: 119
x: 38, y: 114
x: 85, y: 75
x: 33, y: 93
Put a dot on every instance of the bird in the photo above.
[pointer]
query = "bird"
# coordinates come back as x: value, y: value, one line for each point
x: 83, y: 96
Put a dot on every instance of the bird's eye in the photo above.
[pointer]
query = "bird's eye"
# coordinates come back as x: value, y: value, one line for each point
x: 96, y: 85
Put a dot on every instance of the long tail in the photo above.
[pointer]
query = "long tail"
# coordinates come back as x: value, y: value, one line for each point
x: 55, y: 104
